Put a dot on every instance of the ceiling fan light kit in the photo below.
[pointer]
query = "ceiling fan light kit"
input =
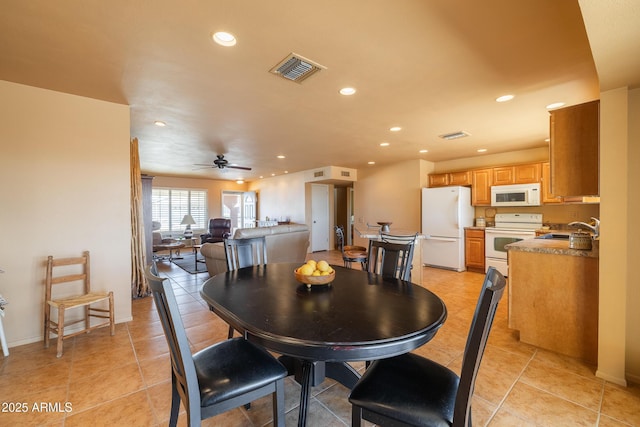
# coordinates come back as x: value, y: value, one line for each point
x: 221, y: 163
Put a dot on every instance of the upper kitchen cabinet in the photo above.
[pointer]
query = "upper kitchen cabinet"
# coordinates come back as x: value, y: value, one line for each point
x: 547, y: 196
x: 481, y: 187
x: 450, y: 178
x: 519, y: 174
x: 574, y: 150
x: 438, y: 179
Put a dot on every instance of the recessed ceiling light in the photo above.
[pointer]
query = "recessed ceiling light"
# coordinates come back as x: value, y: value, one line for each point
x: 280, y: 156
x: 395, y: 129
x: 347, y: 91
x: 384, y: 144
x: 239, y: 181
x: 505, y: 98
x: 159, y: 123
x: 555, y: 105
x: 224, y: 39
x: 273, y: 174
x: 482, y: 150
x: 424, y: 151
x: 547, y: 140
x: 371, y: 163
x: 261, y: 176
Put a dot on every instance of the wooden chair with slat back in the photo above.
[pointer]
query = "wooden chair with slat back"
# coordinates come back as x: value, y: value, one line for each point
x: 77, y: 271
x: 242, y: 253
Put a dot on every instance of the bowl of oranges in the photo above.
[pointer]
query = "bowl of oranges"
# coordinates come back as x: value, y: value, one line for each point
x: 314, y: 273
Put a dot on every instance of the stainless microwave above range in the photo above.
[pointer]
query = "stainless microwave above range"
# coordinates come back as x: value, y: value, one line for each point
x: 516, y: 195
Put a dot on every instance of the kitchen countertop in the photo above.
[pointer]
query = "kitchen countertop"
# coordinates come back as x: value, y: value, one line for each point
x: 553, y: 247
x: 374, y: 233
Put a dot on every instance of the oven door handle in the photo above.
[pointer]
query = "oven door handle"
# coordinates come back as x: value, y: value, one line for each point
x: 521, y: 233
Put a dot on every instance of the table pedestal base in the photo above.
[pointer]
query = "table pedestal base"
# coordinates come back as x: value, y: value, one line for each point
x: 310, y: 373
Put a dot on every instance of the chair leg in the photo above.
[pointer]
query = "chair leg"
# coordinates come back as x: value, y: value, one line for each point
x: 112, y: 323
x: 278, y: 404
x: 356, y: 416
x: 47, y: 317
x: 175, y: 402
x: 60, y: 342
x: 230, y: 334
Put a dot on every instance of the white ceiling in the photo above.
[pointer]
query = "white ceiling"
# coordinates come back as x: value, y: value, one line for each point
x: 431, y: 67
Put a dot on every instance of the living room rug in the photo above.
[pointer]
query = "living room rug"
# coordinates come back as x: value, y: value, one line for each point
x: 188, y: 263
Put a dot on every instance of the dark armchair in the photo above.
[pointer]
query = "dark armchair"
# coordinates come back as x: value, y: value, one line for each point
x: 219, y: 229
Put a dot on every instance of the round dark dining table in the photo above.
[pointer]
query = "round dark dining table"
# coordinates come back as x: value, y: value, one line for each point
x: 359, y: 316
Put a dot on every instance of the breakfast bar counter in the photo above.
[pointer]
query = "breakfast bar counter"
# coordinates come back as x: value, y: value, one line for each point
x: 554, y: 247
x: 553, y: 296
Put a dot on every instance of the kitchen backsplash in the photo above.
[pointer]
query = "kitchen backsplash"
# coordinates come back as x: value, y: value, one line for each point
x: 551, y: 214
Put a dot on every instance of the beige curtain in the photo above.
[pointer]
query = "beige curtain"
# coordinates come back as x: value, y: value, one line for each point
x: 139, y: 285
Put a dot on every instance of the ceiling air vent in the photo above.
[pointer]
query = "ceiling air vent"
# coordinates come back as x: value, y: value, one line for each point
x: 318, y: 174
x: 455, y: 135
x: 345, y: 173
x: 296, y: 68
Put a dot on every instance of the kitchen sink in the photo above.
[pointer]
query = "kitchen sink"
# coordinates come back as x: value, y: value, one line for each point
x: 554, y: 236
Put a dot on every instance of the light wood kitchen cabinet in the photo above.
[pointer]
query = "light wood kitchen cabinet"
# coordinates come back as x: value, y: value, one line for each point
x: 474, y: 249
x: 482, y: 180
x: 503, y: 176
x: 460, y: 178
x: 450, y: 178
x: 438, y: 179
x: 519, y: 174
x: 547, y: 196
x: 526, y: 174
x: 574, y: 150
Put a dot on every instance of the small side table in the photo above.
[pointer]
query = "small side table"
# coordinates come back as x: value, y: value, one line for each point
x: 196, y: 248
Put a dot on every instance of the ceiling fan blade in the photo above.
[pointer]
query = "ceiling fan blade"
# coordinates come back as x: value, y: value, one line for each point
x: 202, y: 164
x: 238, y: 167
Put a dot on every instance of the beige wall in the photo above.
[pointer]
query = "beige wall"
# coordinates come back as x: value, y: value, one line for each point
x: 619, y: 328
x: 65, y: 188
x: 389, y: 193
x: 633, y: 244
x: 489, y: 160
x: 281, y: 196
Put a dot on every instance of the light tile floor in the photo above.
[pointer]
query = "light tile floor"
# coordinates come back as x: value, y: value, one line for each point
x: 125, y: 380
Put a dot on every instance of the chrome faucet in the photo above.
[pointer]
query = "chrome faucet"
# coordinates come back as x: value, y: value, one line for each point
x: 594, y: 228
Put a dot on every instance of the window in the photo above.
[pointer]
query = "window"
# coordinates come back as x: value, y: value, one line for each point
x: 170, y: 205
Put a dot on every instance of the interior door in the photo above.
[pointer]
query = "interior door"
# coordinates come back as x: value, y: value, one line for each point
x: 319, y: 217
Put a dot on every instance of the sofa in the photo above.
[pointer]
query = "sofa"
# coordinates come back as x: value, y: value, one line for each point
x: 285, y: 243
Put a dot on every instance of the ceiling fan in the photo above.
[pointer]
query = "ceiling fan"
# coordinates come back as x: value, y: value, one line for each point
x: 221, y: 163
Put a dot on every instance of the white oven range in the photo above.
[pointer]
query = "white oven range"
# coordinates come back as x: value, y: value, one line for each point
x: 509, y: 228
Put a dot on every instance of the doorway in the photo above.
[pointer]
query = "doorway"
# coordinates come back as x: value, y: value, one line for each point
x: 319, y: 217
x: 240, y: 207
x: 344, y: 211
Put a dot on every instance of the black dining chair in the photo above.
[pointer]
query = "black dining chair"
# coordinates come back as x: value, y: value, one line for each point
x: 242, y: 253
x: 410, y: 390
x: 350, y: 253
x: 218, y: 378
x: 391, y: 257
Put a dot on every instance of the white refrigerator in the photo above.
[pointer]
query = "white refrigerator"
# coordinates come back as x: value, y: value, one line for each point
x: 446, y: 211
